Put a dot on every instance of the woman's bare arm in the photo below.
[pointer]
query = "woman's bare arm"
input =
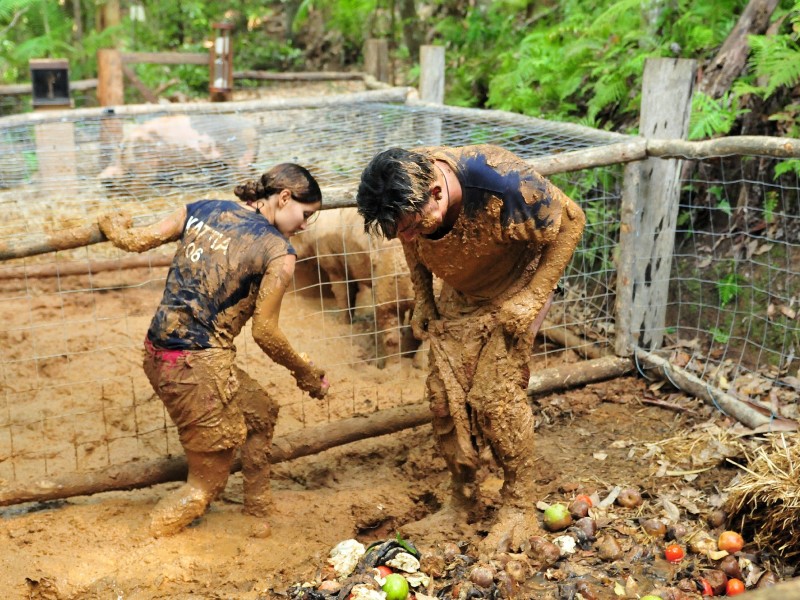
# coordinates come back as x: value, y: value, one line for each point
x: 118, y: 228
x: 269, y: 336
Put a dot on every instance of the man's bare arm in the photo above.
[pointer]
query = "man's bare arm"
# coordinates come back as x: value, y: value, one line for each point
x: 118, y: 228
x: 519, y: 312
x: 425, y: 304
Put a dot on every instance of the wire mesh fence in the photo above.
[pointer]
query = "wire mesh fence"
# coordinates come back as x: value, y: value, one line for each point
x: 74, y: 395
x: 735, y: 287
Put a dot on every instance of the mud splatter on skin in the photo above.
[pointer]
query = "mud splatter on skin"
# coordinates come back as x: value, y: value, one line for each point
x: 231, y: 264
x: 500, y: 265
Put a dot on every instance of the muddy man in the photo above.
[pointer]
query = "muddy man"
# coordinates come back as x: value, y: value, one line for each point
x: 499, y: 236
x: 233, y: 262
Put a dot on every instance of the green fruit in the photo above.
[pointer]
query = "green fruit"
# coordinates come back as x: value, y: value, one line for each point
x: 557, y: 517
x: 651, y: 597
x: 396, y: 587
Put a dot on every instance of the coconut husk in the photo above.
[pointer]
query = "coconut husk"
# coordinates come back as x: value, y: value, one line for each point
x: 764, y: 500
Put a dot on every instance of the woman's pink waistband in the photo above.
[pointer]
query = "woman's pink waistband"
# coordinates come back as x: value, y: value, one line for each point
x: 170, y: 356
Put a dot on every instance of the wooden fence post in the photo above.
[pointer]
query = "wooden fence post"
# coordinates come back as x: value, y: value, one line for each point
x: 431, y: 74
x: 376, y: 59
x: 110, y: 91
x: 431, y: 89
x: 649, y: 208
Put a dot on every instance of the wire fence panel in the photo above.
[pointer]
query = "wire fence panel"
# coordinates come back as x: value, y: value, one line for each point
x: 735, y: 284
x: 72, y: 322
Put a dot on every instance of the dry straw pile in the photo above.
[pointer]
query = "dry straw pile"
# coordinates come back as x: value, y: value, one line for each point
x: 766, y: 497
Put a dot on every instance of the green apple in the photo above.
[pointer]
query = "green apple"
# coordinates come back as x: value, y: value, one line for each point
x: 396, y: 587
x: 557, y: 517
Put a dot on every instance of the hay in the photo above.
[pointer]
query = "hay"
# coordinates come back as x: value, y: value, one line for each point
x: 702, y: 447
x: 765, y: 498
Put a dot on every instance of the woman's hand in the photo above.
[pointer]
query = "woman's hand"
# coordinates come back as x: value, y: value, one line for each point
x: 111, y: 224
x: 313, y: 381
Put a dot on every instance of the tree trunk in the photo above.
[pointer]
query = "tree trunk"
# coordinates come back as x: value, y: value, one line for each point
x: 77, y: 17
x: 410, y: 24
x: 732, y: 56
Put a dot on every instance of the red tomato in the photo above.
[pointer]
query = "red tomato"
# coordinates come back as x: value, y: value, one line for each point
x: 584, y: 498
x: 706, y: 591
x: 730, y: 541
x: 674, y: 553
x: 384, y: 570
x: 734, y: 587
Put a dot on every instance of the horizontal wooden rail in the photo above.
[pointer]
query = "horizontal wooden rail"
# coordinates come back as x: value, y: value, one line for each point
x: 20, y: 89
x: 300, y: 75
x: 632, y: 150
x: 165, y: 58
x: 391, y: 95
x: 144, y: 473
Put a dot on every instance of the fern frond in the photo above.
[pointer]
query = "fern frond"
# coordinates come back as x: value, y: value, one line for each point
x: 778, y: 62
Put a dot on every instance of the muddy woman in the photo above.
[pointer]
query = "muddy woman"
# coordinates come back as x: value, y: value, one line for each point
x: 233, y: 262
x: 499, y: 236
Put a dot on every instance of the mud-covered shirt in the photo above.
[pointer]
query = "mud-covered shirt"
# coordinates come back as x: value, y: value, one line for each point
x: 508, y: 213
x: 213, y: 282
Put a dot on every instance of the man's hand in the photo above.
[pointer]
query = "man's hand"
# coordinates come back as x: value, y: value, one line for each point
x: 314, y: 382
x: 519, y: 318
x: 424, y: 313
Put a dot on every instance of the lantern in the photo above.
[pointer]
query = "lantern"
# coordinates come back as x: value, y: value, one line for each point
x: 50, y: 82
x: 221, y: 69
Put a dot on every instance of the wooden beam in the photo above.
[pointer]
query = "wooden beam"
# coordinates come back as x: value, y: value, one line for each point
x: 139, y: 474
x: 752, y: 414
x: 390, y: 95
x: 21, y: 89
x: 376, y: 59
x: 299, y: 76
x: 165, y: 58
x: 136, y: 261
x: 145, y: 91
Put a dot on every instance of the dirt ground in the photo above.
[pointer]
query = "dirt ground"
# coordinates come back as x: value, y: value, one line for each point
x: 589, y: 440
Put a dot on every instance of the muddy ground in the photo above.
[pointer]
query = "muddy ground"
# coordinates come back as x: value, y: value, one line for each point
x: 589, y: 440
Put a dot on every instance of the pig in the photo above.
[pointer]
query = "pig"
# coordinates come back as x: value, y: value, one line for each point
x: 182, y: 150
x: 364, y: 271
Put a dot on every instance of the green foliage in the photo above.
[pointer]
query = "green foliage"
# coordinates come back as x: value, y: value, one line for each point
x: 713, y: 117
x: 770, y: 204
x: 728, y: 288
x: 720, y: 336
x: 584, y: 61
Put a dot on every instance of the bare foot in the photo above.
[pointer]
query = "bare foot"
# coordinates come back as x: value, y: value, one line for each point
x: 511, y: 528
x: 176, y: 510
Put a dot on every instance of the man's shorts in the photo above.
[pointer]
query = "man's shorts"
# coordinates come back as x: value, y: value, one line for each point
x: 198, y: 388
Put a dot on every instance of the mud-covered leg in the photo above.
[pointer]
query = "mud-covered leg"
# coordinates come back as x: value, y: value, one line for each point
x: 462, y: 505
x: 499, y: 394
x: 260, y: 414
x: 208, y: 473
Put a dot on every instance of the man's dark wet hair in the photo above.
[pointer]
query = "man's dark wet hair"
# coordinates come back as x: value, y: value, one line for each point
x: 396, y: 182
